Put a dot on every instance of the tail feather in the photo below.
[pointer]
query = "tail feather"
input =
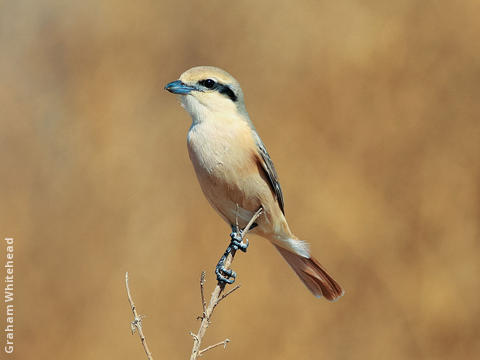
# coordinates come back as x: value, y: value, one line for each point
x: 313, y: 275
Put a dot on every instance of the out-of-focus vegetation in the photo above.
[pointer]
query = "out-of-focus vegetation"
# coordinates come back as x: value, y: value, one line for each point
x: 370, y: 110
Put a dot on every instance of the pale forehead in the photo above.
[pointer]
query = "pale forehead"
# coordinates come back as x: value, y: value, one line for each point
x: 207, y: 72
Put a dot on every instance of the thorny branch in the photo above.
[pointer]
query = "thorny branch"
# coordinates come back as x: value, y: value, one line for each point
x: 215, y: 298
x: 136, y: 324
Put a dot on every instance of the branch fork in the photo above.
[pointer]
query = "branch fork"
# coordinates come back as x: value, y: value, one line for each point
x: 207, y: 310
x: 217, y: 296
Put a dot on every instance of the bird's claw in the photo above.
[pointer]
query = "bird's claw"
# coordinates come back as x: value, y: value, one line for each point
x: 224, y: 274
x: 237, y: 241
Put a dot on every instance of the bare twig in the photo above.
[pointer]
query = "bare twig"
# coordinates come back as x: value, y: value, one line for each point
x: 136, y: 324
x: 215, y: 298
x: 228, y: 293
x: 250, y: 223
x: 202, y: 284
x: 224, y: 343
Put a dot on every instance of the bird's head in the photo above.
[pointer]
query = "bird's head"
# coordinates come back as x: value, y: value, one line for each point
x: 204, y: 90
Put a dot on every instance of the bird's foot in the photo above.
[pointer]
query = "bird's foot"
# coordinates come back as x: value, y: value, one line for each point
x: 224, y: 275
x: 236, y: 240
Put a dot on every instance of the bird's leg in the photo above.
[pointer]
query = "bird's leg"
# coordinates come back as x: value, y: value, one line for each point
x: 224, y: 274
x: 236, y: 243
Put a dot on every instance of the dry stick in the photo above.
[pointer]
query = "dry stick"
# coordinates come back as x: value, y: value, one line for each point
x: 215, y: 298
x: 228, y: 293
x: 202, y: 283
x: 224, y: 343
x: 136, y: 324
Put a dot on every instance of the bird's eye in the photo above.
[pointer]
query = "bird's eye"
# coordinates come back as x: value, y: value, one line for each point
x: 208, y: 83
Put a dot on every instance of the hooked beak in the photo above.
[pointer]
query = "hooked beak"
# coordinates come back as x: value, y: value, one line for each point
x: 178, y: 87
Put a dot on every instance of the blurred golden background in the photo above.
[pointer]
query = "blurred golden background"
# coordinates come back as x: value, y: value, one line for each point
x: 370, y: 111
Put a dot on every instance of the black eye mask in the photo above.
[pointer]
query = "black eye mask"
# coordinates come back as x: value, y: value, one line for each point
x: 221, y: 88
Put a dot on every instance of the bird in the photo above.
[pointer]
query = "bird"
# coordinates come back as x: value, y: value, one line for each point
x: 236, y: 173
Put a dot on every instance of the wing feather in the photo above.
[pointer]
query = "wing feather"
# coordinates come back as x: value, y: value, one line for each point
x: 269, y: 168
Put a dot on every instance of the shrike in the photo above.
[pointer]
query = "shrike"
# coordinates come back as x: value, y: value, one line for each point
x: 235, y: 171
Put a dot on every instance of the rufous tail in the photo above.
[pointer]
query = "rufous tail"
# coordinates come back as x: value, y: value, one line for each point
x: 313, y: 275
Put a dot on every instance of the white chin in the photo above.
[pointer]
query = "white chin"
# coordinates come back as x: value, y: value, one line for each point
x: 192, y: 105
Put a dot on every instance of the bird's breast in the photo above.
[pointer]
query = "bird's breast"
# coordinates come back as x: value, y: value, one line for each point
x: 223, y: 155
x: 226, y: 161
x: 221, y: 150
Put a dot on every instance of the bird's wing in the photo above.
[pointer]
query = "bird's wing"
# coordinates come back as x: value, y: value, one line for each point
x: 267, y: 165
